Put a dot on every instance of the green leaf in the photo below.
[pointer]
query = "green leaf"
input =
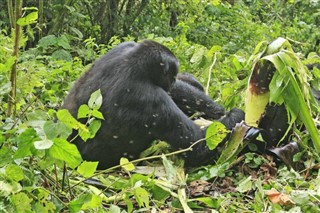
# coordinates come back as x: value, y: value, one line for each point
x: 124, y: 162
x: 21, y: 203
x: 142, y: 197
x: 43, y: 144
x: 77, y: 32
x: 65, y: 151
x: 14, y: 172
x: 63, y: 42
x: 210, y: 201
x: 97, y: 114
x: 62, y: 55
x: 94, y: 127
x: 215, y: 133
x: 47, y: 41
x: 198, y: 55
x: 29, y: 19
x: 83, y: 111
x: 84, y: 202
x: 95, y: 100
x: 56, y: 129
x: 65, y: 117
x: 245, y: 185
x: 87, y: 169
x: 25, y: 143
x: 1, y: 139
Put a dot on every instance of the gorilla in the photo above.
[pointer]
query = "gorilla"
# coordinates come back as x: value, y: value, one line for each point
x: 135, y: 80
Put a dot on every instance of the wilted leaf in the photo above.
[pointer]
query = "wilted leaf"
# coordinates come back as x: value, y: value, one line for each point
x: 232, y: 147
x: 279, y: 198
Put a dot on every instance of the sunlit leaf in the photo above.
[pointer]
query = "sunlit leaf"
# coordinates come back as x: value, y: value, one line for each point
x: 14, y: 172
x: 215, y: 134
x: 124, y: 162
x: 87, y: 169
x: 29, y: 19
x: 65, y: 151
x: 83, y: 111
x: 142, y: 197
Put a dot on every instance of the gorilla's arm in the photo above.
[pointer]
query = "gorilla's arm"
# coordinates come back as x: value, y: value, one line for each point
x: 191, y: 100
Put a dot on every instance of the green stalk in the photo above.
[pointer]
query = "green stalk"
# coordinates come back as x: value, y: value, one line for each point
x: 13, y: 75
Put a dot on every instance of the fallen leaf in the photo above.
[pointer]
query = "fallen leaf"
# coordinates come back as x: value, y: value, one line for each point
x: 279, y: 198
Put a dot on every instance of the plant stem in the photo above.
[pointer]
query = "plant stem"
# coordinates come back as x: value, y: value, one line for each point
x: 13, y: 75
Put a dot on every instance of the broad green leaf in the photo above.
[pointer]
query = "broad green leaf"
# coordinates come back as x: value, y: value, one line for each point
x: 124, y: 162
x: 142, y: 197
x: 47, y: 41
x: 43, y: 144
x: 29, y: 19
x: 14, y: 172
x: 65, y: 151
x: 85, y: 202
x: 83, y: 111
x: 56, y: 129
x: 95, y: 100
x: 44, y: 204
x: 63, y: 42
x: 97, y: 114
x: 210, y: 201
x: 198, y: 55
x: 65, y: 117
x: 21, y: 202
x: 25, y: 143
x: 62, y: 55
x: 215, y: 134
x: 87, y: 169
x: 94, y: 128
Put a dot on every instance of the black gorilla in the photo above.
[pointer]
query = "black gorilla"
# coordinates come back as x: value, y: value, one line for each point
x: 134, y: 79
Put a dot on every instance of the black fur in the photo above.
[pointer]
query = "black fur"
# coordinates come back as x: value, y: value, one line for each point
x: 188, y: 94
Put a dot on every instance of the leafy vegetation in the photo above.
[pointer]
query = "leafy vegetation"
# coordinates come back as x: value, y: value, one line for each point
x: 46, y: 45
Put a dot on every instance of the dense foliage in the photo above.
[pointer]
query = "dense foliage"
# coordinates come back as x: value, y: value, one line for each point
x: 217, y: 41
